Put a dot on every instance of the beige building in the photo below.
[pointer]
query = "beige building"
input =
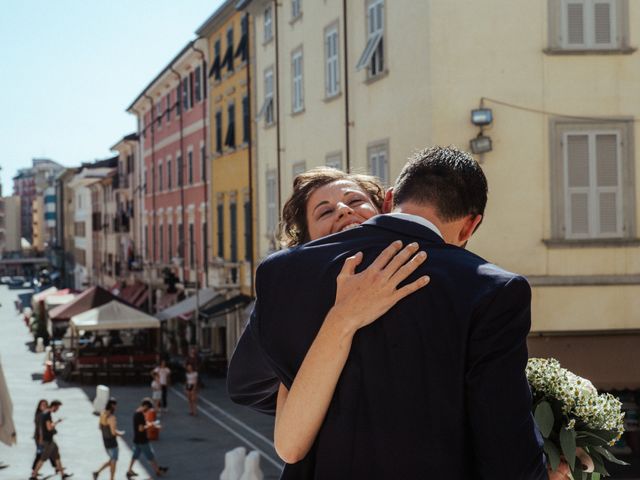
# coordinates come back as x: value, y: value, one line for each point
x: 38, y: 226
x: 12, y: 241
x: 562, y: 88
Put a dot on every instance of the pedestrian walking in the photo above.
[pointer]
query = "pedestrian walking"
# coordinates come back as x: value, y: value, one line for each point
x: 191, y: 387
x: 164, y: 377
x: 141, y: 441
x: 156, y: 391
x: 109, y: 428
x: 43, y: 405
x: 49, y: 447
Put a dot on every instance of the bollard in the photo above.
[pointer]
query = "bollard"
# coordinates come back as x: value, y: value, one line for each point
x: 102, y: 397
x: 233, y: 464
x: 49, y: 375
x: 39, y: 345
x: 252, y: 469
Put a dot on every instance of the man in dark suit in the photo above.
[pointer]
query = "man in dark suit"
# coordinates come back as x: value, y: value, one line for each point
x: 436, y: 387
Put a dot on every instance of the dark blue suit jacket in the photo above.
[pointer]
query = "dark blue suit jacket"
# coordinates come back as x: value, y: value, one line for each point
x: 435, y: 388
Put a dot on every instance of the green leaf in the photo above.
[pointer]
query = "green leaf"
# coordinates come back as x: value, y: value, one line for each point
x: 609, y: 456
x: 553, y: 454
x: 544, y: 418
x: 568, y: 444
x: 598, y: 463
x: 588, y: 440
x: 594, y: 436
x: 595, y: 476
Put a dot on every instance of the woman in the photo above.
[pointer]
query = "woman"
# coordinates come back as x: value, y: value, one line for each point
x: 327, y: 201
x: 110, y: 433
x: 37, y: 436
x: 191, y: 387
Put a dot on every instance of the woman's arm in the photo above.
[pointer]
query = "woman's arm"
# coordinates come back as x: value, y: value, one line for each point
x: 361, y: 298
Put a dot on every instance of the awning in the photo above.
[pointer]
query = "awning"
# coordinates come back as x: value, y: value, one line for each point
x: 610, y: 361
x: 188, y: 305
x: 40, y: 296
x: 55, y: 300
x: 223, y: 308
x: 90, y: 298
x: 114, y: 315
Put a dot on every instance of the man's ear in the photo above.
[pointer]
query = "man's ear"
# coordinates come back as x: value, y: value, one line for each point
x: 387, y: 205
x: 469, y: 226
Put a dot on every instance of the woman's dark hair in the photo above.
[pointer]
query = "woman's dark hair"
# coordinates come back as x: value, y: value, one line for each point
x: 38, y: 406
x: 294, y: 229
x: 147, y: 402
x: 446, y: 178
x: 110, y: 404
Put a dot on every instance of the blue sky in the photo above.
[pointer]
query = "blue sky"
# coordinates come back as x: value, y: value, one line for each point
x: 70, y: 68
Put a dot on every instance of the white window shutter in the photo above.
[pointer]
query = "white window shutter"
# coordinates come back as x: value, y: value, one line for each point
x: 575, y: 24
x: 577, y: 193
x: 602, y: 16
x: 608, y: 184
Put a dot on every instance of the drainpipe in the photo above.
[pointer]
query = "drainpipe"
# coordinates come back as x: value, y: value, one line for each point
x: 347, y: 121
x: 205, y: 258
x: 153, y: 196
x: 278, y: 154
x: 250, y: 160
x: 183, y: 112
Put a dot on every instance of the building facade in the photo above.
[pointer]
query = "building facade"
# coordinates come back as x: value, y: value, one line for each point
x: 12, y: 224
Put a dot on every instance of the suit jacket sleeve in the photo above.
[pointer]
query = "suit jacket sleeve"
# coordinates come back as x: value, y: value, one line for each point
x: 506, y: 442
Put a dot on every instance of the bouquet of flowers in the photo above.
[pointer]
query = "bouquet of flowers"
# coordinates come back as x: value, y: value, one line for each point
x: 574, y: 419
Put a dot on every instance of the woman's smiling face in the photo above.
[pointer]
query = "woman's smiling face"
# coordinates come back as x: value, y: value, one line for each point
x: 337, y: 206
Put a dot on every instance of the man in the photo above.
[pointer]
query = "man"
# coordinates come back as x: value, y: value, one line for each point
x: 436, y: 387
x: 141, y: 441
x: 110, y: 433
x: 164, y: 377
x: 49, y: 446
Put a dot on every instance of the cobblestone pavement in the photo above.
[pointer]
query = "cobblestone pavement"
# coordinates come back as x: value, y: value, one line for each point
x: 192, y: 447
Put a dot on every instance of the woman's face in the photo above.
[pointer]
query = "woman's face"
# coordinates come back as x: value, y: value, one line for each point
x: 42, y: 405
x: 337, y: 206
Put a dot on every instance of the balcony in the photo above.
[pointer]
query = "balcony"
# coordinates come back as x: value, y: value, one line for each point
x: 121, y: 222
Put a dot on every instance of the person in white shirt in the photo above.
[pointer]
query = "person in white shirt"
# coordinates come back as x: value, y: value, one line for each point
x: 191, y: 387
x: 164, y: 377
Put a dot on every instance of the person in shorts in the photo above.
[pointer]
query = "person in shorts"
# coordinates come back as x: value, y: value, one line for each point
x: 164, y: 377
x: 110, y: 433
x: 156, y: 390
x: 141, y: 441
x: 49, y: 446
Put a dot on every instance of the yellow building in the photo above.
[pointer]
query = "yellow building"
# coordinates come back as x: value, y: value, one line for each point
x: 562, y: 167
x: 231, y: 197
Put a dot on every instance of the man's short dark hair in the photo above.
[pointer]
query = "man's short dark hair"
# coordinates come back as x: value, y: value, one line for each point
x: 446, y: 178
x: 147, y: 402
x: 55, y: 403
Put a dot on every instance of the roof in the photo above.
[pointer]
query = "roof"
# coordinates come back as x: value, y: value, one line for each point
x: 90, y: 298
x: 114, y: 316
x: 210, y: 23
x: 188, y: 305
x: 162, y: 72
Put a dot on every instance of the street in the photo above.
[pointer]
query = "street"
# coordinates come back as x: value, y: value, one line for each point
x: 192, y: 447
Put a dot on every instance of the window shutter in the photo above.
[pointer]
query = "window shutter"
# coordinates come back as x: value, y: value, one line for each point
x: 608, y: 184
x: 602, y: 23
x: 577, y: 155
x: 575, y: 24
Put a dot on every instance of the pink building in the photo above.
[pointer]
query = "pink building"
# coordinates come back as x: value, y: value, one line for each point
x: 172, y: 123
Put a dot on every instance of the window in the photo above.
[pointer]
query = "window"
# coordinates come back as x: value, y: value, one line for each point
x: 159, y: 113
x: 230, y: 139
x: 180, y: 168
x: 167, y: 111
x: 332, y: 61
x: 192, y: 243
x: 205, y: 240
x: 373, y: 55
x: 297, y: 102
x: 178, y: 97
x: 233, y: 220
x: 272, y: 203
x: 79, y: 229
x: 243, y: 47
x: 378, y: 162
x: 190, y: 165
x: 247, y: 229
x: 146, y: 241
x: 268, y: 24
x: 216, y: 65
x: 169, y: 182
x: 296, y: 9
x: 185, y: 94
x: 160, y: 177
x: 298, y: 168
x: 220, y: 219
x: 593, y: 189
x: 219, y: 131
x: 268, y: 105
x: 181, y: 242
x: 246, y: 120
x: 334, y: 160
x: 169, y: 242
x: 228, y: 56
x: 161, y: 239
x: 203, y: 164
x: 588, y: 25
x: 198, y: 84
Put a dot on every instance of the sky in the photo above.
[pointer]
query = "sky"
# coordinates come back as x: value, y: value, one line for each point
x: 70, y: 68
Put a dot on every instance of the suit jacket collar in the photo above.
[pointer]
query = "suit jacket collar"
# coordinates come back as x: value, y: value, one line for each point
x: 404, y: 227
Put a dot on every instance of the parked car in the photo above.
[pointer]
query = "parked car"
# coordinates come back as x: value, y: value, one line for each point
x: 5, y: 280
x: 19, y: 282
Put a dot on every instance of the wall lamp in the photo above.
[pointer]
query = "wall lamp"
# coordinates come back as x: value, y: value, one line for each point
x: 481, y: 117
